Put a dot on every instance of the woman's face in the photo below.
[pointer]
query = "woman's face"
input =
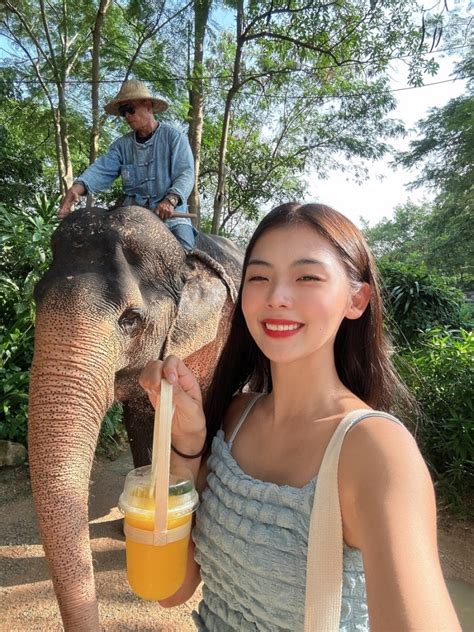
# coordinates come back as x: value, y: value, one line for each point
x: 296, y: 292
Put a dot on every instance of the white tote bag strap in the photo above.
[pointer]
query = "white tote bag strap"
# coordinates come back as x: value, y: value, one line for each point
x: 325, y: 540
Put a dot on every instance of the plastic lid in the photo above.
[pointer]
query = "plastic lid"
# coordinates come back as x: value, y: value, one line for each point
x: 135, y: 498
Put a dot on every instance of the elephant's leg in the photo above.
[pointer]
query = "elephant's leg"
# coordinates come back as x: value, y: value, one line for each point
x: 138, y: 416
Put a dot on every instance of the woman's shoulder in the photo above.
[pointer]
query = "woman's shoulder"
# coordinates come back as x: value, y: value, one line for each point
x: 379, y: 452
x: 379, y: 435
x: 376, y: 429
x: 235, y: 411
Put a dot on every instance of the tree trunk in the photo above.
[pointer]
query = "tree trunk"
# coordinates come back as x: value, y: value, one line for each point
x: 96, y: 38
x: 57, y: 143
x: 66, y: 175
x: 220, y: 192
x: 196, y: 115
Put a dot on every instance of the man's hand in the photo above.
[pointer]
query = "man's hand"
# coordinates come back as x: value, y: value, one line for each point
x: 164, y: 209
x: 72, y: 197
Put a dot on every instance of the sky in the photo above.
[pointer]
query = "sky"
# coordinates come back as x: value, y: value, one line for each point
x: 386, y: 188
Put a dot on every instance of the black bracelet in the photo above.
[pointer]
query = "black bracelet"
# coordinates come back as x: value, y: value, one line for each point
x: 190, y: 456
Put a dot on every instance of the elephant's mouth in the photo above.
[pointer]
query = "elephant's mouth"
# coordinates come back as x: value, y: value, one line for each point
x: 126, y: 383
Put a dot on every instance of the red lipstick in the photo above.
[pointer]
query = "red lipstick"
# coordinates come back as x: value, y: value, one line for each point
x: 279, y: 328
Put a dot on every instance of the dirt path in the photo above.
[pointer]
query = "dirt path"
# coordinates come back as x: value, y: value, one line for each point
x: 26, y: 594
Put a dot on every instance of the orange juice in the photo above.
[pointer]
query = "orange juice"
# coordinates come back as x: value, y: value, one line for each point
x: 156, y: 571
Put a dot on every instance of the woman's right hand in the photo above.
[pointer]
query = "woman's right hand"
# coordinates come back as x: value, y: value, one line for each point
x: 188, y: 433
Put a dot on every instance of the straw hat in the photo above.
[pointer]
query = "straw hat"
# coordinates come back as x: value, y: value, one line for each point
x: 133, y: 90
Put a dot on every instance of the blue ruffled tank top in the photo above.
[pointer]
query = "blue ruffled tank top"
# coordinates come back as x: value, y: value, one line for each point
x: 251, y: 542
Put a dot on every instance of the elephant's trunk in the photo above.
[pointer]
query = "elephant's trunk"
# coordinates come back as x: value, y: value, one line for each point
x: 71, y: 388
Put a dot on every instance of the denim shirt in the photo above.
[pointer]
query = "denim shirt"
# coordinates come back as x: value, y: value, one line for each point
x: 163, y: 164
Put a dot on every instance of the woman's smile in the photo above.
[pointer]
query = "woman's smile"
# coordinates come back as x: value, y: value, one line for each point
x: 279, y: 328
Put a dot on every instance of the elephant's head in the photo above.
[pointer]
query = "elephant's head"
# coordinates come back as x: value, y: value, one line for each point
x: 120, y: 291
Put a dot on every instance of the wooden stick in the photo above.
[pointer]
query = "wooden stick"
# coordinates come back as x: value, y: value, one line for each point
x: 160, y: 459
x: 179, y: 214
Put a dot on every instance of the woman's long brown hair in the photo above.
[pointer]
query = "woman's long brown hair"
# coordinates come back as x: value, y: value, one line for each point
x: 361, y: 350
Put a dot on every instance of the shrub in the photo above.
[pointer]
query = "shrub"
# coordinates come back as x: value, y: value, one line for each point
x: 16, y: 352
x: 417, y: 301
x: 113, y: 436
x: 25, y: 235
x: 440, y: 373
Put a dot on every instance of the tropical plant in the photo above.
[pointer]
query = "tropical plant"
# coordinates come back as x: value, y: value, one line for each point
x: 16, y: 352
x: 440, y: 373
x: 417, y: 300
x: 25, y: 235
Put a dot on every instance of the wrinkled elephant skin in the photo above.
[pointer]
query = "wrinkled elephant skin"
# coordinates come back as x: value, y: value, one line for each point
x: 120, y: 291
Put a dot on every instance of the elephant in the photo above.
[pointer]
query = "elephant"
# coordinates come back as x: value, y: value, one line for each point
x: 120, y: 291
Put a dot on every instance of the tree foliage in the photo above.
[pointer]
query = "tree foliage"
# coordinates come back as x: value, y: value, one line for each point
x: 283, y: 88
x: 417, y: 301
x: 318, y: 71
x: 404, y: 237
x: 21, y: 158
x: 435, y: 236
x: 444, y: 152
x: 55, y: 53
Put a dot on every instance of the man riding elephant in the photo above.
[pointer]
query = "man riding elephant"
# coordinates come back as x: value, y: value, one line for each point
x: 154, y: 160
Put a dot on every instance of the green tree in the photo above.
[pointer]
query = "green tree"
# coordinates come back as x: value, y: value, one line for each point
x: 445, y: 154
x: 404, y: 237
x: 21, y: 158
x: 51, y: 41
x: 427, y: 235
x: 320, y: 71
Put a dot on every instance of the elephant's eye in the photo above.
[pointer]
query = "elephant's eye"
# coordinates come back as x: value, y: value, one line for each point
x: 130, y: 320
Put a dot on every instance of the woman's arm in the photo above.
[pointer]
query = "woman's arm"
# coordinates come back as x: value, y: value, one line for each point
x: 188, y: 435
x: 389, y: 513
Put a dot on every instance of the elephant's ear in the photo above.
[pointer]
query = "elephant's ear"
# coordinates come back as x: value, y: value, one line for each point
x: 200, y: 327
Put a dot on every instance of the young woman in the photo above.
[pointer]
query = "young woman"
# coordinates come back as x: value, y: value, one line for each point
x: 307, y: 341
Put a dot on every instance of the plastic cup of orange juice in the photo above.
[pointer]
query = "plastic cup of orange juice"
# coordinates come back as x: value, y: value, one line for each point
x: 156, y: 567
